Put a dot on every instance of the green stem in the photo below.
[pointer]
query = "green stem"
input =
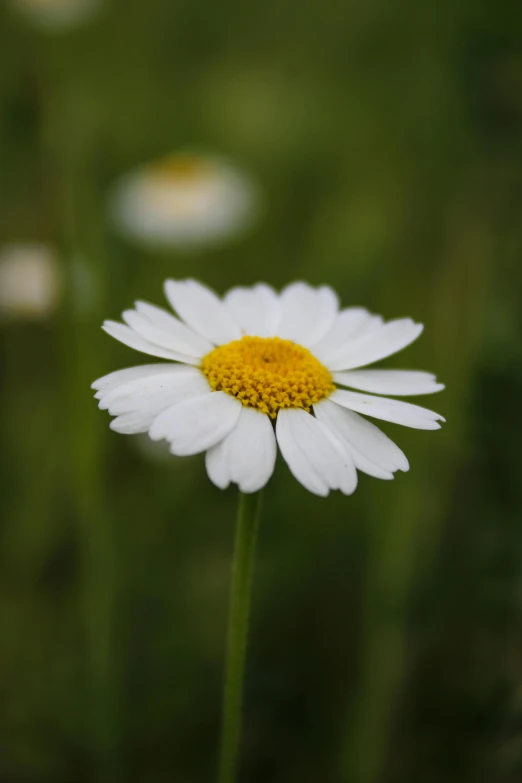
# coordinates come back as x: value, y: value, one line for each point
x: 239, y: 611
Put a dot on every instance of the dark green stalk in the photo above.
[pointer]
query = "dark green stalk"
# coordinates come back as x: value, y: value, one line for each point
x: 239, y: 612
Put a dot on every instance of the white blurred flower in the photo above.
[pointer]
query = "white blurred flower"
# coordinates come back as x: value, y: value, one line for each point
x: 30, y: 281
x: 57, y: 14
x: 183, y: 200
x: 256, y: 370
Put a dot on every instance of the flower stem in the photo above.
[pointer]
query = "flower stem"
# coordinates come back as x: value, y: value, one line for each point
x: 239, y: 610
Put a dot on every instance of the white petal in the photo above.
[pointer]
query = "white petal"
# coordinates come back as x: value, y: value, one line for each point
x: 202, y: 310
x: 299, y: 463
x: 338, y: 421
x: 371, y: 347
x: 256, y: 309
x: 193, y: 344
x: 125, y: 382
x: 327, y: 303
x: 131, y: 423
x: 367, y: 439
x: 388, y: 410
x: 306, y: 313
x: 363, y: 464
x: 128, y: 337
x: 349, y: 323
x: 153, y: 395
x: 315, y: 457
x: 119, y: 377
x: 252, y: 450
x: 217, y: 467
x: 399, y: 382
x: 137, y: 406
x: 172, y: 342
x: 247, y: 455
x: 197, y: 424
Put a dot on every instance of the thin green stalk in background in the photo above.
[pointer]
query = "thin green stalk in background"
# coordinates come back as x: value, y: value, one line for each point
x: 409, y: 542
x: 68, y: 145
x: 239, y: 611
x: 389, y: 578
x: 99, y: 569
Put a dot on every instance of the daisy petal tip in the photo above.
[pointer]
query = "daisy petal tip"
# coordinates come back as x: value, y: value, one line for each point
x: 249, y: 489
x: 155, y: 433
x: 110, y: 326
x: 216, y: 468
x: 323, y: 492
x: 417, y: 329
x: 114, y: 425
x: 169, y: 286
x: 180, y: 451
x: 220, y: 484
x: 385, y: 475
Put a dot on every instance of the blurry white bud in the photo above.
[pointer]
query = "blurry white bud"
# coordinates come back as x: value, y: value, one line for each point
x: 183, y: 201
x: 30, y: 281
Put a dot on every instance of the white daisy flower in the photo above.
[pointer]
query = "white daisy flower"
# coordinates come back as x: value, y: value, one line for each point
x: 57, y: 14
x: 183, y: 201
x: 30, y: 281
x: 255, y: 370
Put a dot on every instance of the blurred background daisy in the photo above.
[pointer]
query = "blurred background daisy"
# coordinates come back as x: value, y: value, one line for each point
x: 374, y: 147
x: 184, y: 200
x: 30, y: 281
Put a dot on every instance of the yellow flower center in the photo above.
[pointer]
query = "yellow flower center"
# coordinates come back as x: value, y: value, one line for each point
x: 180, y: 168
x: 268, y: 373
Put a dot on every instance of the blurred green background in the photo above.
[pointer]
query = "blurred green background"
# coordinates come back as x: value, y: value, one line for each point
x: 386, y: 644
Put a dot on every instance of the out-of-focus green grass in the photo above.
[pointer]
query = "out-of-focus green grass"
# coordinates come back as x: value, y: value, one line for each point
x: 386, y: 643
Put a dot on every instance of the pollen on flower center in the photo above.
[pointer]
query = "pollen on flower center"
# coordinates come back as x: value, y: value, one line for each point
x: 268, y: 373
